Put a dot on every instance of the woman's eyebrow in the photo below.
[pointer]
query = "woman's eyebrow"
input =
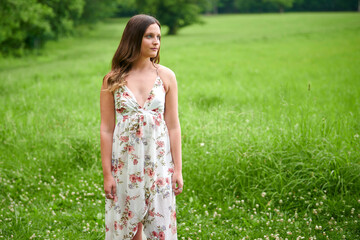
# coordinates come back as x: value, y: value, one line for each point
x: 152, y: 33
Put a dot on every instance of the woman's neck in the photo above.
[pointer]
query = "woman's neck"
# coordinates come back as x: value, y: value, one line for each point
x: 141, y: 64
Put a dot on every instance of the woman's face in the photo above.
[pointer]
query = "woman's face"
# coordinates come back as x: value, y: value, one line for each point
x: 151, y: 41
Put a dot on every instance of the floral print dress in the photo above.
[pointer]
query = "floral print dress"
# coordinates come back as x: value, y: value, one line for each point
x: 142, y: 167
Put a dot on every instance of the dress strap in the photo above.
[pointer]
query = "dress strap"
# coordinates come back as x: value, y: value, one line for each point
x: 157, y: 72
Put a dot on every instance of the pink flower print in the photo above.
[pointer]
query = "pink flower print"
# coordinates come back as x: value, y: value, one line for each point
x: 139, y: 132
x: 173, y: 215
x: 141, y: 118
x: 150, y: 172
x: 161, y: 235
x: 152, y: 187
x: 126, y: 94
x: 124, y: 138
x: 130, y: 215
x: 144, y: 123
x: 151, y: 213
x: 120, y: 110
x: 171, y: 170
x: 125, y: 117
x: 116, y: 225
x: 129, y: 148
x: 173, y: 230
x: 135, y: 161
x: 133, y: 178
x: 134, y: 229
x: 121, y: 165
x: 160, y: 182
x: 139, y: 179
x: 106, y: 228
x: 167, y: 180
x: 157, y: 122
x: 160, y: 143
x: 155, y: 234
x: 150, y: 97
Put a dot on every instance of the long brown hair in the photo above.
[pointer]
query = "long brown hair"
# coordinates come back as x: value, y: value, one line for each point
x: 129, y: 49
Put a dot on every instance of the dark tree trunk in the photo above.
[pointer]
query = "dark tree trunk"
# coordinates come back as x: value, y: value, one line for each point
x: 172, y: 30
x: 281, y: 9
x: 215, y: 7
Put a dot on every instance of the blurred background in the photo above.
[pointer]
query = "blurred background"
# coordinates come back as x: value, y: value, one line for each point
x: 29, y: 24
x: 269, y: 106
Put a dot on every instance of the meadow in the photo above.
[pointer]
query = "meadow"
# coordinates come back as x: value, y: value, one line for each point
x: 269, y: 106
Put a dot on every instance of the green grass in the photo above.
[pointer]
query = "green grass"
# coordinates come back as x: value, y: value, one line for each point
x: 269, y: 109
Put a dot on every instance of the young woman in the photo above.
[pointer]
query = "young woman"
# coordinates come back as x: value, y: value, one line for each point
x: 140, y: 137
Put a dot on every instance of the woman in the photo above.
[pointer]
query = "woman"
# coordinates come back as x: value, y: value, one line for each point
x: 140, y: 137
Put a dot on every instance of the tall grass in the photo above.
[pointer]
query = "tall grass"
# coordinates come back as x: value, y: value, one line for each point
x: 269, y: 109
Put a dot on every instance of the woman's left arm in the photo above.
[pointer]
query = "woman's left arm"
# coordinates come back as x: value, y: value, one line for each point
x: 173, y: 125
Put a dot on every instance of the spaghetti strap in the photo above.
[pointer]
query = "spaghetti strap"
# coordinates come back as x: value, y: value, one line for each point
x: 157, y: 72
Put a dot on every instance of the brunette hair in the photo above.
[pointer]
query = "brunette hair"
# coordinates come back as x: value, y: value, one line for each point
x: 128, y: 50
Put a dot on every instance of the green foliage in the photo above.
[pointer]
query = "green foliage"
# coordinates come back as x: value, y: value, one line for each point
x: 254, y: 6
x: 23, y: 23
x: 29, y: 24
x: 66, y: 14
x: 175, y: 14
x: 95, y: 10
x: 126, y: 9
x: 233, y: 6
x: 281, y: 4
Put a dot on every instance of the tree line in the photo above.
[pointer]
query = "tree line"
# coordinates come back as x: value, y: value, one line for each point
x: 28, y: 24
x: 130, y: 7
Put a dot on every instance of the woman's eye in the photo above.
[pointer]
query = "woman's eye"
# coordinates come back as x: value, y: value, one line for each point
x: 148, y: 36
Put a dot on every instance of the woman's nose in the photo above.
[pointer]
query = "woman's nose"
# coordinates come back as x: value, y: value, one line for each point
x: 156, y: 41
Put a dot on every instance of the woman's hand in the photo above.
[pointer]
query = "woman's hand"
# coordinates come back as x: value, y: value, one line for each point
x: 177, y: 183
x: 110, y: 187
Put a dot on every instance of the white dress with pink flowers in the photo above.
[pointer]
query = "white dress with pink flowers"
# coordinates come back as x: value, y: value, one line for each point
x: 142, y: 167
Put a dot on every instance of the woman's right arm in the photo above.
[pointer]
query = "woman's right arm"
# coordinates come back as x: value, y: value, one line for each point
x: 107, y: 125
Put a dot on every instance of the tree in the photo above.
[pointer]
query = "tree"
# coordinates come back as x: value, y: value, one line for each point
x: 27, y: 24
x: 95, y: 10
x: 281, y: 4
x: 23, y: 25
x: 66, y: 15
x: 175, y: 14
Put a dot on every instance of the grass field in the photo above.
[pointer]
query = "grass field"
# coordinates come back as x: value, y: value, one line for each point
x: 270, y: 117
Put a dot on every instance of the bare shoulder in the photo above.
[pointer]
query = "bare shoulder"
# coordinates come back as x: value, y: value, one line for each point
x: 167, y: 76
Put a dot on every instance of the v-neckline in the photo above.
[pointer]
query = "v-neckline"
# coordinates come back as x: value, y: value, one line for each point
x: 148, y: 96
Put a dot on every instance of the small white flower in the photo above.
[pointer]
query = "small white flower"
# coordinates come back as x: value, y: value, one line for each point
x: 202, y: 144
x: 263, y: 194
